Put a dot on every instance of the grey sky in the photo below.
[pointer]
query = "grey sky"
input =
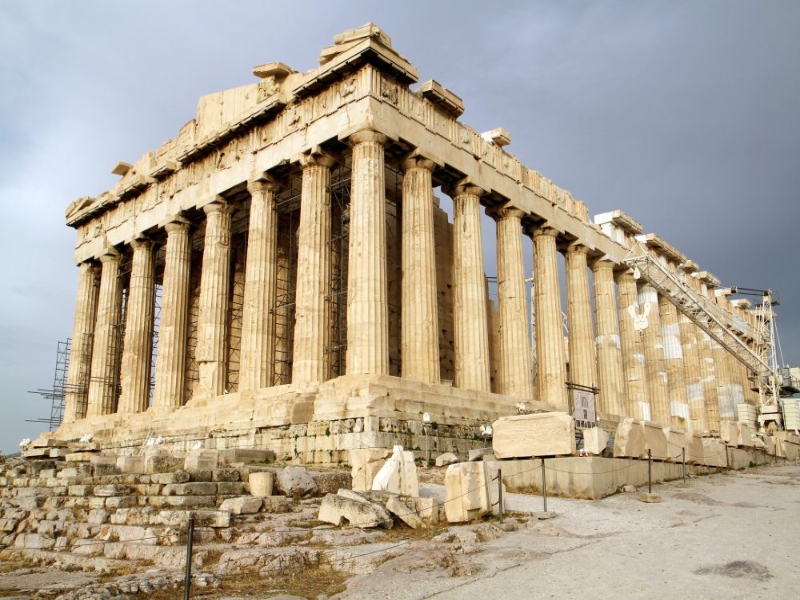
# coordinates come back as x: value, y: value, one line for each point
x: 683, y: 114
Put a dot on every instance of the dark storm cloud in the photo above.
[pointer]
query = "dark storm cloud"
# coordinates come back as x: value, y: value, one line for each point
x: 683, y: 114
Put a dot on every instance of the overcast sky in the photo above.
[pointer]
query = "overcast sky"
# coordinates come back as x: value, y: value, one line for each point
x: 686, y: 115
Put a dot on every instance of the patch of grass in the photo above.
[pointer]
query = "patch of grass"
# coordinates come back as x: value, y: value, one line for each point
x: 402, y: 532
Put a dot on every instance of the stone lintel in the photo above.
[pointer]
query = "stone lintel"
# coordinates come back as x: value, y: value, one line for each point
x: 707, y: 278
x: 443, y: 98
x: 724, y: 292
x: 654, y: 241
x: 278, y: 70
x: 164, y: 169
x: 499, y: 136
x: 689, y: 266
x: 621, y: 220
x: 121, y: 168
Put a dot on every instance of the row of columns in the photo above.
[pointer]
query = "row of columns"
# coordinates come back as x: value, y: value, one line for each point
x: 638, y: 375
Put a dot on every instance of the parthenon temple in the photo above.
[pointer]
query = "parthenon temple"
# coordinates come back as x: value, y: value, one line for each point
x: 281, y: 274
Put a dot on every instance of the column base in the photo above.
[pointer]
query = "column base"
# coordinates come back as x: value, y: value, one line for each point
x: 316, y: 423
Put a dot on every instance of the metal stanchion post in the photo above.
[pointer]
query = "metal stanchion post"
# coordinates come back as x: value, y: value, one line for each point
x: 683, y: 452
x: 187, y: 584
x: 500, y: 492
x: 649, y: 472
x: 544, y: 487
x: 727, y: 459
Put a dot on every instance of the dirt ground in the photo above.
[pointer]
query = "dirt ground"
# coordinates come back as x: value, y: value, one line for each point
x: 730, y: 535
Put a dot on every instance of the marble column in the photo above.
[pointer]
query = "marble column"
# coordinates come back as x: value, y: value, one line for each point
x: 312, y: 312
x: 550, y: 360
x: 367, y: 305
x: 633, y: 359
x: 707, y: 368
x: 674, y: 363
x: 654, y: 356
x: 260, y: 288
x: 722, y: 374
x: 690, y: 342
x: 137, y: 351
x: 419, y: 330
x: 471, y: 327
x: 515, y: 350
x: 80, y: 357
x: 174, y: 318
x: 215, y: 283
x: 611, y: 381
x: 105, y: 352
x: 582, y: 355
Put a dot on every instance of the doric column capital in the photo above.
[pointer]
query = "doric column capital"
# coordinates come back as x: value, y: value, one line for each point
x: 464, y: 188
x: 543, y: 231
x: 177, y: 224
x: 111, y: 256
x: 220, y: 205
x: 602, y: 264
x: 367, y: 136
x: 317, y: 157
x: 86, y: 265
x: 418, y: 162
x: 142, y: 243
x: 577, y: 248
x: 263, y: 185
x: 506, y: 213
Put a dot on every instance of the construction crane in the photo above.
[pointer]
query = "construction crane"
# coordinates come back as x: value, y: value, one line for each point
x: 760, y: 356
x: 779, y: 384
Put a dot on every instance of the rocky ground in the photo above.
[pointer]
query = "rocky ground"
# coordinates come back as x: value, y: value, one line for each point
x: 726, y: 535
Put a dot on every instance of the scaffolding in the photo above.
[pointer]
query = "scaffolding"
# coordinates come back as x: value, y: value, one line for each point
x: 282, y: 316
x: 239, y: 228
x: 340, y: 236
x: 56, y: 394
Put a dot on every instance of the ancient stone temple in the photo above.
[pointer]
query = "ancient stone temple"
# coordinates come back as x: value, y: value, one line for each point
x: 280, y: 275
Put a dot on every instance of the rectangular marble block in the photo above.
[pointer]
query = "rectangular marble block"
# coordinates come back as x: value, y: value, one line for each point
x: 545, y: 434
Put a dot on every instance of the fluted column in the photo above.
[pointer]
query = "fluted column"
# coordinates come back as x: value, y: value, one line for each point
x: 312, y: 314
x: 80, y: 357
x: 260, y: 288
x: 707, y: 367
x: 137, y: 351
x: 654, y: 356
x: 633, y: 359
x: 471, y: 327
x: 367, y: 306
x: 550, y: 359
x: 674, y: 363
x: 582, y: 355
x: 611, y: 399
x: 690, y: 342
x: 722, y: 373
x: 215, y: 282
x: 515, y: 349
x: 419, y: 331
x: 104, y: 379
x: 173, y: 318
